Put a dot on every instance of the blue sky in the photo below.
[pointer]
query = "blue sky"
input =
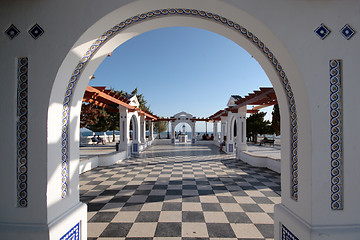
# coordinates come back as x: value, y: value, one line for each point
x: 182, y: 69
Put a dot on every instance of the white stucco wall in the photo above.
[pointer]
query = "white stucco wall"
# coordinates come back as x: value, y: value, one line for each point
x: 285, y: 26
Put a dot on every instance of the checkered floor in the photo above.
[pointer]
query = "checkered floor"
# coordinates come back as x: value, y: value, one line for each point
x: 180, y: 192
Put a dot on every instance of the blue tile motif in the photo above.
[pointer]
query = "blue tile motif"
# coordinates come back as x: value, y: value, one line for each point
x: 231, y: 147
x: 322, y: 31
x: 286, y: 234
x: 135, y: 147
x: 36, y: 31
x: 336, y: 135
x: 73, y: 233
x: 12, y: 31
x: 22, y: 133
x: 198, y: 14
x: 347, y: 32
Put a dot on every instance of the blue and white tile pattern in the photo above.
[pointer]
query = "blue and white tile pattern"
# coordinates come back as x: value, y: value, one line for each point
x: 347, y: 32
x: 36, y: 31
x: 286, y: 234
x: 22, y: 132
x: 12, y: 31
x: 322, y: 31
x: 336, y: 135
x: 73, y: 233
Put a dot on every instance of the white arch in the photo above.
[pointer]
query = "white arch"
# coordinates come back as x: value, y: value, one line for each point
x: 297, y: 88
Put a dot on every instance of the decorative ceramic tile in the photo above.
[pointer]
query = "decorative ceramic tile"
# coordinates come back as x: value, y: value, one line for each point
x: 199, y: 14
x: 135, y: 147
x: 231, y: 147
x: 336, y: 135
x: 12, y: 31
x: 347, y: 32
x: 322, y: 31
x: 73, y: 233
x: 36, y: 31
x: 22, y: 133
x: 286, y: 234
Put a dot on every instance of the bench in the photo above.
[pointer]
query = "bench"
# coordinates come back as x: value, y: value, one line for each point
x: 269, y: 141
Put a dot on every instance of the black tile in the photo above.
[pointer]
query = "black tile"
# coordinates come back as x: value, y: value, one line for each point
x: 148, y: 216
x: 103, y: 217
x: 251, y: 207
x: 173, y: 192
x: 109, y: 192
x: 121, y: 183
x: 130, y: 187
x: 175, y: 182
x: 262, y: 200
x: 195, y: 238
x: 171, y: 206
x: 116, y: 230
x: 86, y: 199
x: 237, y: 217
x: 101, y: 187
x: 139, y: 238
x: 155, y: 198
x: 142, y: 192
x: 226, y: 199
x: 219, y: 188
x: 164, y: 229
x: 248, y: 188
x: 194, y: 187
x: 238, y: 193
x: 257, y: 183
x: 211, y: 207
x: 193, y: 216
x: 190, y: 198
x: 94, y: 207
x: 160, y: 187
x: 119, y: 199
x: 205, y: 192
x: 220, y: 230
x: 131, y: 207
x: 94, y: 183
x: 270, y: 194
x: 267, y: 230
x: 276, y: 189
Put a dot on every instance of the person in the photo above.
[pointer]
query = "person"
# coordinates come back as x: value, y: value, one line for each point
x: 223, y: 144
x: 212, y: 137
x: 99, y: 140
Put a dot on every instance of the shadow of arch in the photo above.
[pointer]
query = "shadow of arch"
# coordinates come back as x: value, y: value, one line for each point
x: 241, y: 30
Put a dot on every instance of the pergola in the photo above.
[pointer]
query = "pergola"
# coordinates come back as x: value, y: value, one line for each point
x: 233, y: 118
x: 107, y: 98
x: 129, y: 113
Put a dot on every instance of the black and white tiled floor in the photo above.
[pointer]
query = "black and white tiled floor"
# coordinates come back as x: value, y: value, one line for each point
x: 180, y: 192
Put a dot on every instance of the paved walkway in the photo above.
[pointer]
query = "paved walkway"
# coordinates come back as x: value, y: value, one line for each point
x: 180, y: 192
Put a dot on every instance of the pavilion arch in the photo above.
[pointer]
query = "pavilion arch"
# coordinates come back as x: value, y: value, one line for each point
x: 258, y: 41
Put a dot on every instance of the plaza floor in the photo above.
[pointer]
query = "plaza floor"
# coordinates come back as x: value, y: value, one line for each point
x: 180, y: 192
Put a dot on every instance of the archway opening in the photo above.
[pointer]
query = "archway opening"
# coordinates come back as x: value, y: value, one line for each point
x: 287, y: 97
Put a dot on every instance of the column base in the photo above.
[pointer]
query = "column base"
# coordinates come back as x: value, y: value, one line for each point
x: 289, y: 226
x: 70, y: 225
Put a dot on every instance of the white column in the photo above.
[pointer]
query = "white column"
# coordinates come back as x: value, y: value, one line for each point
x: 223, y: 131
x: 124, y: 129
x: 241, y: 144
x: 230, y: 146
x: 215, y: 130
x: 151, y: 130
x: 173, y: 132
x: 142, y: 130
x: 193, y: 137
